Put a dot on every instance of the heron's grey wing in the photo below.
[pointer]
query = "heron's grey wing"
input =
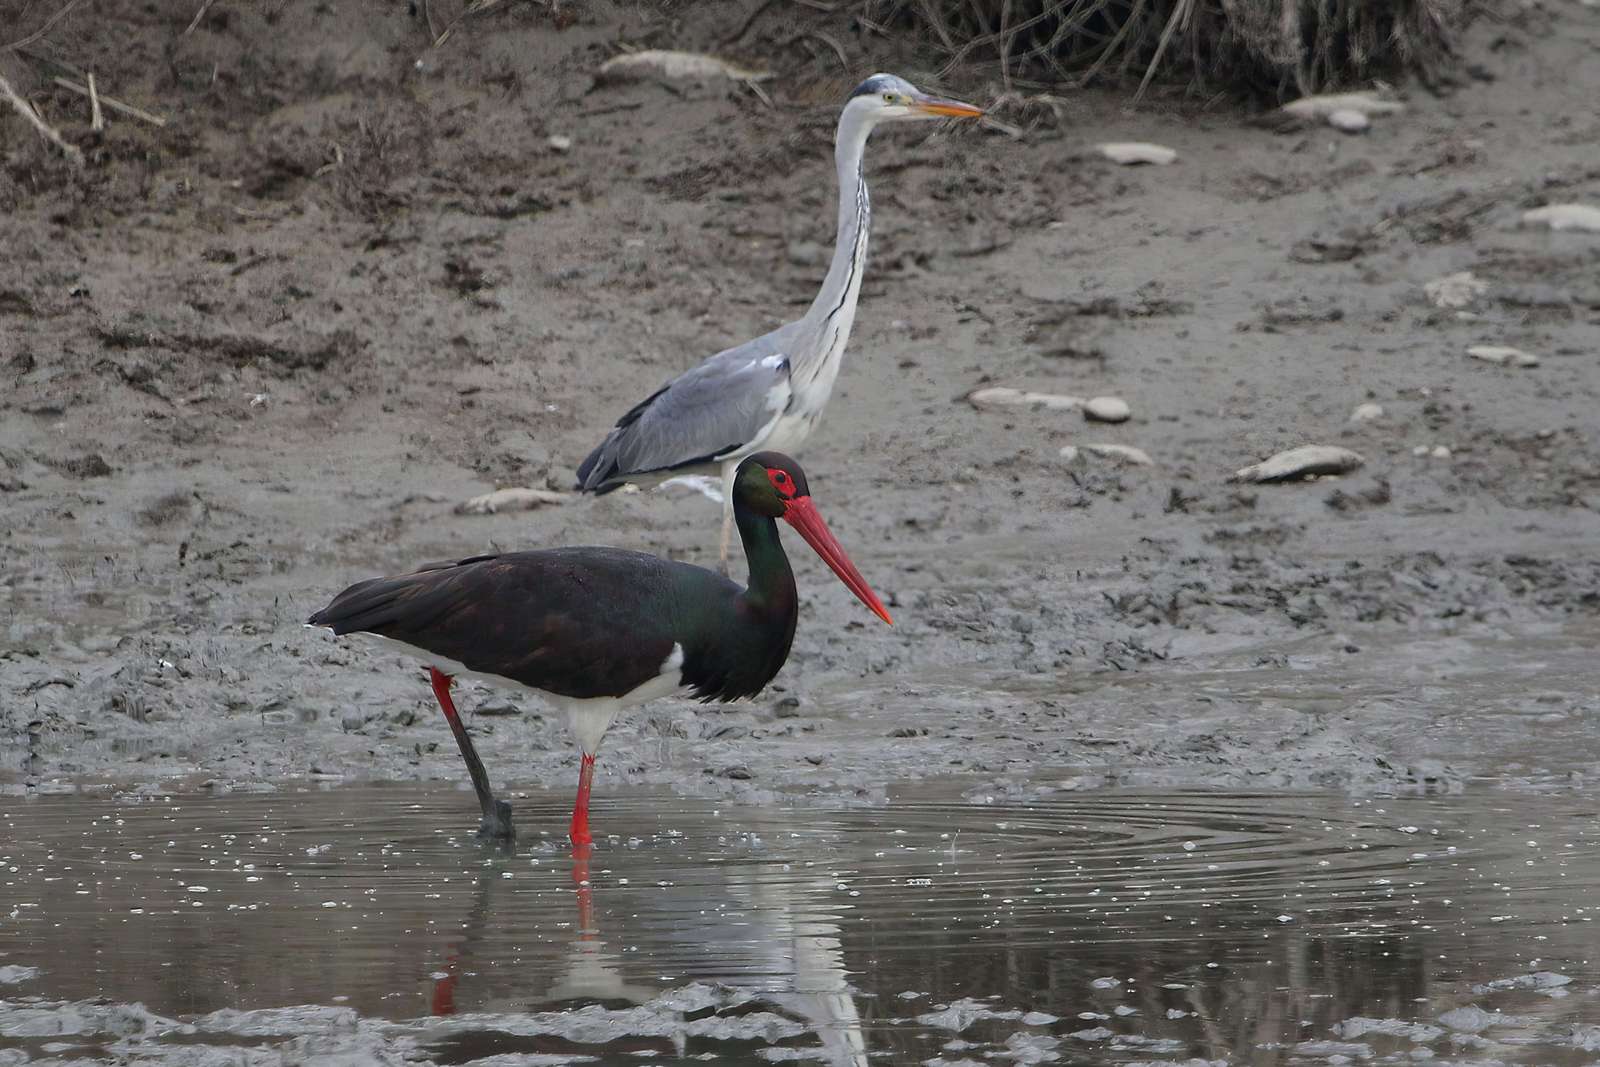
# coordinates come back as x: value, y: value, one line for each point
x: 700, y: 417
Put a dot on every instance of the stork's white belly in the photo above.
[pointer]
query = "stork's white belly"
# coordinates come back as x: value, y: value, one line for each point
x: 588, y: 719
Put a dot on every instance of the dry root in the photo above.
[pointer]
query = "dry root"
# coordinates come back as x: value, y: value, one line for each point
x: 1278, y: 48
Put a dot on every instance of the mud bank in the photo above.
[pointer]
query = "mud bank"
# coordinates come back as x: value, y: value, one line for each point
x: 266, y: 350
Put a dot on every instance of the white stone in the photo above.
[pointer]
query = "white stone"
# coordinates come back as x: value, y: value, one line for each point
x: 1004, y: 396
x: 1455, y: 290
x: 559, y: 142
x: 514, y: 499
x: 1566, y: 217
x: 1321, y: 107
x: 1504, y: 355
x: 1303, y: 462
x: 1349, y: 120
x: 1131, y: 152
x: 1107, y: 409
x: 667, y: 65
x: 1366, y: 412
x: 1138, y: 457
x: 1440, y: 452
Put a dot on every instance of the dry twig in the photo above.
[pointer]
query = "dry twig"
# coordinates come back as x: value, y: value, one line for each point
x: 475, y: 7
x: 25, y: 109
x: 198, y: 15
x: 38, y: 34
x: 97, y: 121
x: 749, y: 20
x: 111, y: 102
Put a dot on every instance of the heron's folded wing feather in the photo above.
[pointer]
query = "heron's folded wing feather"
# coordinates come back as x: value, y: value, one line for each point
x: 712, y: 411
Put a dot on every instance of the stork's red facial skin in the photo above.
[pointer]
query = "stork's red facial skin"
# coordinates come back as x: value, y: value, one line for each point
x: 782, y: 483
x: 803, y: 515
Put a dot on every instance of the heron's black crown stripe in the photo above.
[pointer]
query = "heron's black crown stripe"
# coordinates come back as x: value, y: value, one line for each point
x: 873, y: 85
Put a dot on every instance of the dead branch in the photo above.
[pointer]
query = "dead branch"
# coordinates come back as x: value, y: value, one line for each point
x: 111, y: 102
x: 198, y: 15
x: 26, y: 110
x: 97, y: 121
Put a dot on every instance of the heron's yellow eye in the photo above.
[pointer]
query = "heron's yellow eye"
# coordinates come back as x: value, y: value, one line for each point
x: 891, y: 98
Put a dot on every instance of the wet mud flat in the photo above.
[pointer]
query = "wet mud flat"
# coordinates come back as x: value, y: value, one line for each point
x: 1112, y: 927
x: 270, y: 348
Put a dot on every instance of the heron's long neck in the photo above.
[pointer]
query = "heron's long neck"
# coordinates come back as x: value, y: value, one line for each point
x: 834, y: 309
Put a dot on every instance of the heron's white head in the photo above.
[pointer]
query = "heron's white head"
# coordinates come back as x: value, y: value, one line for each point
x: 886, y: 97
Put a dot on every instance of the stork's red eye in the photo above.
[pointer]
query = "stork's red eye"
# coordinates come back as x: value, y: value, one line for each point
x: 781, y: 482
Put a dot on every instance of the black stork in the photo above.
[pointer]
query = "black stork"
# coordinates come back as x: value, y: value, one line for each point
x: 597, y: 630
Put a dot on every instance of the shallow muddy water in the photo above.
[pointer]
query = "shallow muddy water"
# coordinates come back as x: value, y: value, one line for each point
x: 367, y: 923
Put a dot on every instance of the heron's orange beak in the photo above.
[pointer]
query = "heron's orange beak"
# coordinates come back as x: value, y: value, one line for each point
x: 933, y: 105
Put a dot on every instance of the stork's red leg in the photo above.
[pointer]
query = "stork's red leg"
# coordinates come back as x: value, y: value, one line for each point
x: 585, y: 891
x: 496, y: 813
x: 580, y: 810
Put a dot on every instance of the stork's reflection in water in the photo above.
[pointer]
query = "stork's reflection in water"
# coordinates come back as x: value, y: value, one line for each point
x: 793, y: 957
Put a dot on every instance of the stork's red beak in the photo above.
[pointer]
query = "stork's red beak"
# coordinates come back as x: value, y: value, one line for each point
x: 933, y: 105
x: 803, y: 515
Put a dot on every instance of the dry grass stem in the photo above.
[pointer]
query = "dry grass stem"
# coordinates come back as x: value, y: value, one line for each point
x: 26, y: 110
x: 474, y: 8
x: 1273, y: 48
x: 38, y: 35
x: 111, y: 102
x: 198, y: 15
x: 97, y: 120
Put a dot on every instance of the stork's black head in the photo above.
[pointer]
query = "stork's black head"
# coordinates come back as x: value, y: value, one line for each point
x: 766, y: 482
x: 772, y: 485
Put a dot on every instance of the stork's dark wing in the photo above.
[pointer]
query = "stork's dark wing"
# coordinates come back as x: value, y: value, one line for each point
x: 577, y: 622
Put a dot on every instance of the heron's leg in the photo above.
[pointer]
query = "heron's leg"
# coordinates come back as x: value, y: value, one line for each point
x: 580, y: 810
x: 727, y: 517
x: 496, y: 821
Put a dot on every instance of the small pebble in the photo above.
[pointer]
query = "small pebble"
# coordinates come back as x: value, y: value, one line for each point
x: 1002, y: 396
x: 1129, y: 153
x: 1349, y: 120
x: 1366, y: 413
x: 1107, y: 409
x: 1138, y: 457
x: 1504, y: 355
x: 512, y: 499
x: 1455, y: 290
x: 1303, y: 462
x: 559, y: 142
x: 1566, y: 217
x: 1329, y: 104
x: 660, y: 64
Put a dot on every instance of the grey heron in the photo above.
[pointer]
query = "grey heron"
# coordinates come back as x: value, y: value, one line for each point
x: 766, y: 394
